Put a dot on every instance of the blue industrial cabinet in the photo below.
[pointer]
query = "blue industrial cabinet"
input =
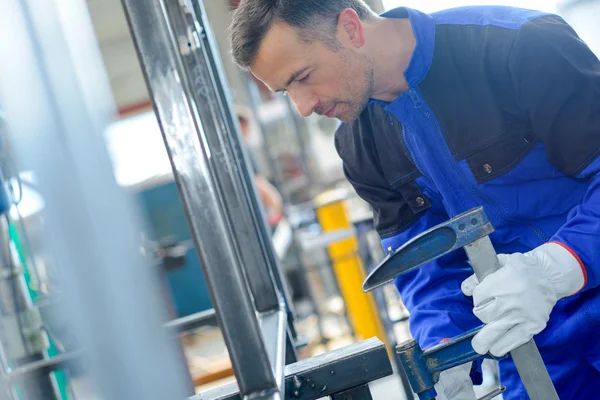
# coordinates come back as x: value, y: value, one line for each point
x: 165, y: 217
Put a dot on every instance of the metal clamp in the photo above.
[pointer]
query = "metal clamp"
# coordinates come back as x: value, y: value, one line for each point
x: 470, y: 231
x: 424, y: 366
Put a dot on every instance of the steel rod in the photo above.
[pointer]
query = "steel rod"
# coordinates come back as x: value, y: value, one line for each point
x: 273, y: 326
x: 193, y: 321
x: 527, y: 358
x: 176, y: 62
x: 248, y: 222
x: 268, y: 251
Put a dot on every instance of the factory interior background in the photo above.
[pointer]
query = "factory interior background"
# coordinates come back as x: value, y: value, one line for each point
x: 322, y: 232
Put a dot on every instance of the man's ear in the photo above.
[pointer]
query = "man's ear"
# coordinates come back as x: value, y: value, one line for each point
x: 350, y: 28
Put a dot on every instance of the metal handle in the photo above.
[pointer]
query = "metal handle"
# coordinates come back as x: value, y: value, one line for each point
x: 429, y: 245
x: 527, y: 357
x: 493, y: 393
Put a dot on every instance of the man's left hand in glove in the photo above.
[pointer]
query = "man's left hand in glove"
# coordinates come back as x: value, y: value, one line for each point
x: 515, y: 302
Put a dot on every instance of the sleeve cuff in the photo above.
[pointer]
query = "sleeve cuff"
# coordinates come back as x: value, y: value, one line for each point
x: 572, y: 252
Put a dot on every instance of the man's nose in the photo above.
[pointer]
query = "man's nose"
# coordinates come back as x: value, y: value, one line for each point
x: 305, y: 102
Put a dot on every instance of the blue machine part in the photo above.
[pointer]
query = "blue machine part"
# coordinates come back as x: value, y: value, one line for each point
x: 423, y: 366
x: 166, y: 218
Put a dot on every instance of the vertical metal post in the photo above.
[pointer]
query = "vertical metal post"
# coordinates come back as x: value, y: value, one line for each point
x: 205, y: 71
x: 276, y: 176
x: 527, y: 358
x: 209, y: 164
x: 90, y: 226
x: 258, y: 253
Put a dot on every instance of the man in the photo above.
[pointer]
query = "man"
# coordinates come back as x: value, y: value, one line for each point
x: 477, y: 106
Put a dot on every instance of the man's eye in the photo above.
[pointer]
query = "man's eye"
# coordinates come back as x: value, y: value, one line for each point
x: 305, y: 78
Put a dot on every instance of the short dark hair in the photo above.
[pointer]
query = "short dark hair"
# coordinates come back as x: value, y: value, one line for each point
x: 253, y: 18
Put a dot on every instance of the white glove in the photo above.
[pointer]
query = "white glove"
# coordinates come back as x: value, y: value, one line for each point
x: 455, y: 384
x: 515, y: 302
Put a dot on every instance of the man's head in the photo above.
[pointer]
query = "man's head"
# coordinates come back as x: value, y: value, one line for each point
x: 312, y: 49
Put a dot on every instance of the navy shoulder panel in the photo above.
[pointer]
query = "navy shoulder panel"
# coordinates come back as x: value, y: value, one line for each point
x: 497, y: 92
x: 379, y: 170
x: 356, y: 144
x: 499, y: 16
x: 557, y: 81
x: 374, y: 145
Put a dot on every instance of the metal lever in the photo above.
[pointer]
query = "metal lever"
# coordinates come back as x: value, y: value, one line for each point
x: 431, y: 244
x: 527, y: 358
x: 493, y: 393
x: 423, y: 367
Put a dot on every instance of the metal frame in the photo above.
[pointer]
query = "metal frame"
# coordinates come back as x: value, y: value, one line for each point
x: 210, y: 167
x: 191, y: 322
x: 90, y: 227
x: 330, y: 374
x: 260, y: 244
x: 470, y: 231
x: 110, y: 289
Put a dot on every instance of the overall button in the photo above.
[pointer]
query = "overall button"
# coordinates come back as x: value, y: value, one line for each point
x: 420, y: 202
x: 487, y: 168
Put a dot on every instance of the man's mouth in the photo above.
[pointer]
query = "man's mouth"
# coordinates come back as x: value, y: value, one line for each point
x: 331, y: 112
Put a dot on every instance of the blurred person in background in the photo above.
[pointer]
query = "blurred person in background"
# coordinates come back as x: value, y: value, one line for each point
x: 268, y: 194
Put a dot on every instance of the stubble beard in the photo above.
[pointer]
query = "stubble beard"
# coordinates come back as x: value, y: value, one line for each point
x: 359, y: 97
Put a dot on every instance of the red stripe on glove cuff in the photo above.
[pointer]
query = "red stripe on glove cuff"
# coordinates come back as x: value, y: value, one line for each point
x: 570, y: 250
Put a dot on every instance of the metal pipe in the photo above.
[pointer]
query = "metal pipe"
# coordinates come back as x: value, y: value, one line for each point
x: 90, y: 227
x: 239, y: 192
x: 271, y: 260
x: 175, y: 55
x: 267, y: 272
x: 273, y: 326
x: 191, y: 322
x: 527, y: 358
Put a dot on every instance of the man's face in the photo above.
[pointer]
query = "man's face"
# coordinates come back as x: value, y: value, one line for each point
x: 336, y: 83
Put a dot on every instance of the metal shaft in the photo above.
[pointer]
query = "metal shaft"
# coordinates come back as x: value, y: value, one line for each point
x: 527, y: 358
x: 265, y: 276
x: 206, y: 154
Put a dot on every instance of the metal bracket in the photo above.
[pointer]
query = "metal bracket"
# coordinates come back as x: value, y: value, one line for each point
x: 325, y: 375
x: 431, y: 244
x: 424, y: 366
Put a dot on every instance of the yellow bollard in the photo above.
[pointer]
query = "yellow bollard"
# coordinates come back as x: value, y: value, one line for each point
x: 348, y: 267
